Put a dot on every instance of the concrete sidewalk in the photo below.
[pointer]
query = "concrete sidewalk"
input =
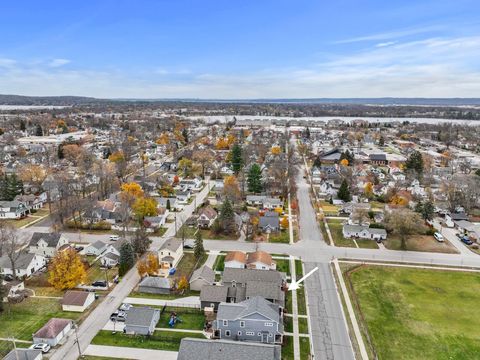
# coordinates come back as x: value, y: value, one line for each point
x: 212, y: 256
x: 129, y: 353
x: 188, y: 301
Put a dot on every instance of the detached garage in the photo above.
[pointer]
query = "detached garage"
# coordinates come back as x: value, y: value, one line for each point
x: 53, y: 331
x: 77, y: 301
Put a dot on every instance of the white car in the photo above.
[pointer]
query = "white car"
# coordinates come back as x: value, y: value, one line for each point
x: 45, y: 348
x: 114, y: 237
x: 438, y: 237
x: 125, y: 307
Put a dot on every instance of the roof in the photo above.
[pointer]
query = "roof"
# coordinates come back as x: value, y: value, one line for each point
x: 458, y: 216
x: 256, y: 304
x: 209, y: 212
x: 50, y: 238
x: 98, y: 245
x: 171, y: 244
x: 269, y: 221
x: 378, y: 157
x: 213, y: 293
x: 241, y: 276
x: 52, y: 328
x: 236, y: 256
x: 140, y: 316
x: 193, y: 349
x: 259, y: 256
x: 74, y: 297
x: 22, y: 354
x: 22, y: 262
x: 264, y: 289
x: 155, y: 282
x: 205, y: 273
x: 359, y: 228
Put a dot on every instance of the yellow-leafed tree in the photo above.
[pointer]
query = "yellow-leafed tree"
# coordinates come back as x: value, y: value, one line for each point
x: 117, y: 156
x: 276, y: 150
x: 142, y: 267
x: 152, y: 263
x: 284, y: 223
x: 66, y: 270
x: 163, y: 139
x: 182, y: 284
x: 131, y: 189
x: 344, y: 162
x: 368, y: 189
x: 145, y: 207
x: 222, y: 144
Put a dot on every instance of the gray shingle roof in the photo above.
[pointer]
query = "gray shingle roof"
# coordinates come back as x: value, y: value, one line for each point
x: 171, y: 244
x: 140, y: 316
x: 268, y: 290
x: 241, y: 276
x: 204, y: 273
x: 22, y: 354
x: 213, y: 293
x: 50, y: 238
x: 155, y: 282
x: 194, y: 349
x: 257, y: 304
x: 22, y: 262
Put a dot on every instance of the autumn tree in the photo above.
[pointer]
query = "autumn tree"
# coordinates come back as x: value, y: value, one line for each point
x: 222, y: 144
x: 66, y: 270
x: 348, y: 156
x: 131, y: 191
x: 254, y: 179
x: 284, y: 223
x: 140, y: 241
x: 344, y: 162
x: 163, y: 139
x: 32, y: 174
x: 185, y: 167
x: 368, y: 189
x: 148, y: 265
x: 144, y: 206
x: 120, y: 160
x: 231, y: 188
x: 182, y: 284
x: 204, y: 158
x: 198, y: 250
x: 404, y: 223
x: 275, y: 150
x: 127, y: 258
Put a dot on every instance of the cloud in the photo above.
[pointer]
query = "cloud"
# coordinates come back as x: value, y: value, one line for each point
x: 388, y: 43
x: 58, y: 62
x: 7, y: 63
x: 392, y: 34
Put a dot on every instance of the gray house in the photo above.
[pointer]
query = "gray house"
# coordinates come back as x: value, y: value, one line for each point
x: 201, y: 277
x: 270, y: 223
x: 24, y: 354
x: 194, y: 349
x: 154, y: 285
x: 141, y: 320
x: 212, y: 296
x: 254, y: 320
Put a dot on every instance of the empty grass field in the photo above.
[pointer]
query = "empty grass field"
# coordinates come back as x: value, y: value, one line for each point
x: 418, y: 314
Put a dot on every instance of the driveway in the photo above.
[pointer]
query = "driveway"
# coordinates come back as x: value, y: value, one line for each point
x: 129, y: 353
x: 188, y: 301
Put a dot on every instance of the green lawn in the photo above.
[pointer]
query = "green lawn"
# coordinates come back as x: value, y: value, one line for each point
x: 188, y: 264
x: 287, y: 348
x: 324, y: 231
x: 303, y: 325
x: 96, y: 273
x: 420, y: 243
x: 280, y: 237
x: 298, y: 269
x: 23, y: 319
x: 210, y: 235
x: 219, y: 264
x: 367, y: 244
x: 160, y: 340
x: 136, y: 294
x: 288, y: 324
x: 419, y: 314
x: 283, y: 265
x: 302, y: 305
x: 336, y: 226
x: 304, y: 348
x: 191, y: 319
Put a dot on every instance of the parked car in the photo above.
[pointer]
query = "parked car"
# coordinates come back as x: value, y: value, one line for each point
x: 8, y: 277
x: 125, y: 307
x: 172, y: 271
x: 466, y: 240
x: 114, y: 237
x: 99, y: 283
x: 438, y: 237
x: 45, y: 348
x: 118, y: 316
x: 79, y: 248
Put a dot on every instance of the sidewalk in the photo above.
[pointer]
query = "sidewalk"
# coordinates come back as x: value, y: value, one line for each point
x: 129, y: 353
x: 296, y: 338
x: 189, y: 301
x: 212, y: 255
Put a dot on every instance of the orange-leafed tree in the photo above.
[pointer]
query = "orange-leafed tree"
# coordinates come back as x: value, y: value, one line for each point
x: 284, y: 223
x: 144, y: 207
x: 34, y: 174
x: 116, y: 157
x: 276, y: 150
x: 231, y: 188
x: 222, y: 144
x: 182, y: 284
x: 368, y: 189
x: 142, y: 267
x: 163, y: 139
x: 152, y: 263
x: 344, y: 162
x: 66, y: 270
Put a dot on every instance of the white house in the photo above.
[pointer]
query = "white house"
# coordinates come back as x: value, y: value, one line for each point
x: 183, y: 196
x: 260, y: 260
x: 77, y: 301
x: 47, y: 244
x: 363, y: 232
x: 53, y: 331
x: 25, y: 265
x: 13, y: 209
x: 235, y: 259
x: 170, y: 253
x: 96, y: 248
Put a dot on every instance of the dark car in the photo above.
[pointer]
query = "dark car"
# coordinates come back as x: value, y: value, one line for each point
x: 79, y: 248
x: 118, y: 316
x: 99, y: 283
x: 466, y: 240
x: 8, y: 277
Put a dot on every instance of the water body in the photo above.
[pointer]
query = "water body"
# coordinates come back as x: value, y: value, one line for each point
x: 30, y: 107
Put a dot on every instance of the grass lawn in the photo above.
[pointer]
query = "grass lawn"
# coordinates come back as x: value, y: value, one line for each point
x: 367, y: 244
x: 283, y: 265
x: 210, y: 235
x: 280, y: 237
x: 303, y: 325
x: 160, y: 340
x: 23, y: 319
x: 288, y: 302
x: 302, y: 305
x: 298, y: 268
x: 329, y: 209
x: 96, y: 273
x: 136, y: 294
x: 419, y: 314
x: 288, y: 324
x: 188, y: 264
x: 20, y: 222
x: 219, y: 264
x: 336, y: 226
x: 159, y: 232
x: 304, y: 348
x: 287, y: 348
x: 420, y: 243
x: 189, y: 232
x: 191, y: 319
x: 324, y: 232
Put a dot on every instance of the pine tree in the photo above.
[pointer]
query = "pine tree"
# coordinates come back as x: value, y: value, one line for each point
x: 22, y: 125
x: 127, y: 258
x: 415, y: 162
x: 38, y: 130
x: 317, y: 162
x: 4, y: 187
x: 254, y: 180
x: 198, y: 250
x: 344, y: 192
x: 237, y: 161
x: 2, y: 294
x: 227, y: 217
x: 185, y: 134
x: 307, y: 133
x: 381, y: 141
x: 168, y: 206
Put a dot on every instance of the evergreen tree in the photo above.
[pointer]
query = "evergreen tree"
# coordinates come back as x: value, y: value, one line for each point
x: 426, y: 210
x: 185, y: 134
x: 4, y: 187
x: 127, y: 258
x: 60, y: 152
x: 317, y: 163
x: 381, y: 141
x: 477, y: 172
x: 344, y: 192
x: 22, y: 125
x: 168, y: 206
x: 307, y: 132
x: 237, y: 161
x: 227, y: 217
x: 415, y: 162
x: 38, y: 130
x: 198, y: 250
x: 2, y: 294
x: 254, y: 180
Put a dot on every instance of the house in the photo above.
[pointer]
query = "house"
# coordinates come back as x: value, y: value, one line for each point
x: 201, y: 277
x: 378, y: 159
x: 451, y: 218
x: 154, y: 285
x: 255, y: 200
x: 46, y: 244
x: 141, y: 320
x: 183, y: 196
x: 191, y: 184
x: 33, y: 202
x: 330, y: 157
x: 169, y: 203
x: 253, y: 320
x: 106, y: 210
x: 110, y: 260
x: 260, y: 260
x: 272, y: 203
x: 25, y: 265
x: 155, y: 222
x: 193, y: 349
x: 212, y: 295
x: 77, y: 301
x: 363, y: 232
x: 170, y: 253
x: 53, y: 331
x: 270, y: 222
x: 24, y: 354
x: 13, y: 209
x: 96, y: 248
x: 235, y: 259
x: 206, y: 217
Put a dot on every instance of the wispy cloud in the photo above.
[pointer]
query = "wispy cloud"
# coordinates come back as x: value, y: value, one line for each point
x: 384, y: 44
x: 58, y: 62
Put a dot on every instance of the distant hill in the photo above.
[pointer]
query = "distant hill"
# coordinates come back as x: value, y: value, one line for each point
x: 386, y: 101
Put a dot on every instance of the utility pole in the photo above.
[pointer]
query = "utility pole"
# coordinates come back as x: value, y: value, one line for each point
x: 75, y: 327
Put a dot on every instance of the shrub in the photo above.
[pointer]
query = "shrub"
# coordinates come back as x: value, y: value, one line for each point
x: 377, y: 226
x: 430, y: 231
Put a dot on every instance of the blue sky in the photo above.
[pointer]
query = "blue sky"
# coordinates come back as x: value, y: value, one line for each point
x: 241, y: 49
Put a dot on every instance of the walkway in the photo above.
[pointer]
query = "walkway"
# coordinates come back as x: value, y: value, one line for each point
x: 188, y: 301
x: 129, y: 353
x: 296, y: 339
x: 212, y: 256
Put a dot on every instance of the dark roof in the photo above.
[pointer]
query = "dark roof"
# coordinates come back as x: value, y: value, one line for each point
x: 193, y: 349
x: 140, y: 316
x: 155, y: 282
x: 213, y: 293
x: 22, y: 354
x: 50, y: 238
x: 52, y: 328
x: 241, y: 276
x: 378, y: 157
x: 22, y: 262
x: 74, y: 297
x: 204, y: 273
x: 257, y: 304
x: 269, y: 221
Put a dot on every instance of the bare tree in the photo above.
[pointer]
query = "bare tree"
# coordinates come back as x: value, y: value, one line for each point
x: 10, y: 245
x: 404, y: 222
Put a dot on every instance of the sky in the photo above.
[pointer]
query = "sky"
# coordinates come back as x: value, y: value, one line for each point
x: 240, y: 49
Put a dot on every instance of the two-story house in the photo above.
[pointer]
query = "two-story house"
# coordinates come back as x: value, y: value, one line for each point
x: 25, y: 265
x: 206, y: 217
x: 13, y: 209
x: 254, y: 320
x: 170, y: 254
x: 47, y: 244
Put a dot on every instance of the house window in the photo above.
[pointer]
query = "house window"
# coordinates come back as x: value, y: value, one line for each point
x: 227, y: 332
x: 250, y: 333
x: 259, y: 334
x: 239, y: 333
x: 270, y: 334
x: 242, y: 323
x: 268, y: 324
x: 225, y: 322
x: 234, y: 284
